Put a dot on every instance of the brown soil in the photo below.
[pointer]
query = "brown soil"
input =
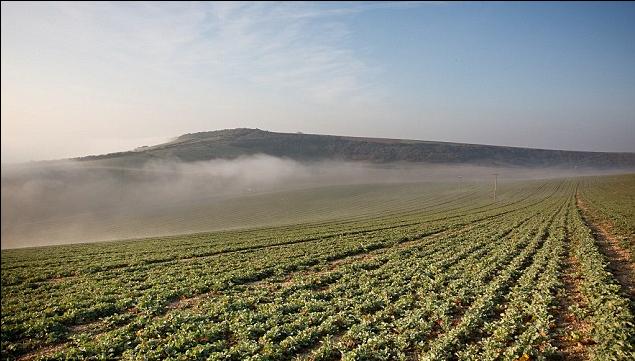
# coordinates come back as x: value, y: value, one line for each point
x: 572, y: 333
x: 44, y: 351
x: 87, y: 327
x: 190, y: 302
x: 620, y: 263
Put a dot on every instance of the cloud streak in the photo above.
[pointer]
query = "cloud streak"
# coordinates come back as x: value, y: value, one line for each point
x: 278, y: 48
x: 116, y: 72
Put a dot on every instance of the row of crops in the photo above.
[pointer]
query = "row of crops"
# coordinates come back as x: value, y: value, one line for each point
x: 610, y: 201
x: 451, y: 276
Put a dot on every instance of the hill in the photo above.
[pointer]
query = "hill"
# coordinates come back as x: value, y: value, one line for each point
x: 232, y: 143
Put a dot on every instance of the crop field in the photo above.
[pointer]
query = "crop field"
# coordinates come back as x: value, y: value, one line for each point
x: 213, y: 213
x: 544, y: 272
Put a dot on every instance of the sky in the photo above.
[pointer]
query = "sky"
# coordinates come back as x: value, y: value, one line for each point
x: 81, y: 78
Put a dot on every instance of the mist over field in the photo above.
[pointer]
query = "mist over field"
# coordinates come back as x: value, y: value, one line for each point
x: 317, y: 180
x: 78, y: 201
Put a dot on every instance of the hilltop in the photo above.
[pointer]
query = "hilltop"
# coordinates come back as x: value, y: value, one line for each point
x: 233, y: 143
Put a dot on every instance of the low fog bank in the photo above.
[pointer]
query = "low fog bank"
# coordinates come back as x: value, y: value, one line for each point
x: 62, y: 202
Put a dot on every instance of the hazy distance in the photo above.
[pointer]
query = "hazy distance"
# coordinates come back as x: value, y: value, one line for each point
x: 82, y: 79
x: 81, y: 201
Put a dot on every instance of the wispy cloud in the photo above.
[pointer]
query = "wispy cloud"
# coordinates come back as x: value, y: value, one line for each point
x: 300, y: 48
x: 281, y: 48
x: 143, y: 70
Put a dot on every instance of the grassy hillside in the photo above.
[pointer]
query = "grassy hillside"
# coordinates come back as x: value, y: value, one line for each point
x: 233, y: 143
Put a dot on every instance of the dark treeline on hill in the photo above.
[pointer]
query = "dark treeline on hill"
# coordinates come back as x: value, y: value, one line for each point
x: 233, y: 143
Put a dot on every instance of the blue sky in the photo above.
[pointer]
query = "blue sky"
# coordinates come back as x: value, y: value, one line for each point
x: 92, y: 78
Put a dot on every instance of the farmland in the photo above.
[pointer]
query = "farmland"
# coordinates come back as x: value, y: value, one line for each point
x: 443, y: 272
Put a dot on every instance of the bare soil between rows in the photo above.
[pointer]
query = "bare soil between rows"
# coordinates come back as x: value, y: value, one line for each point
x: 619, y: 258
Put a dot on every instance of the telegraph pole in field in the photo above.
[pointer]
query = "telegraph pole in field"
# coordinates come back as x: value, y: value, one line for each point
x: 495, y: 184
x: 460, y: 182
x: 121, y: 183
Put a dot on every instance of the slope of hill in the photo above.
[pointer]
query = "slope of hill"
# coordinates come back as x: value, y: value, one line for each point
x: 212, y: 212
x: 232, y: 143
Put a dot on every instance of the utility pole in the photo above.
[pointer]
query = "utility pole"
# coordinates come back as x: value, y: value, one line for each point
x: 121, y: 182
x: 460, y: 181
x: 495, y: 184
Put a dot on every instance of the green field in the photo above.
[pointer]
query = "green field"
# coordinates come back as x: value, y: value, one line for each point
x: 412, y: 271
